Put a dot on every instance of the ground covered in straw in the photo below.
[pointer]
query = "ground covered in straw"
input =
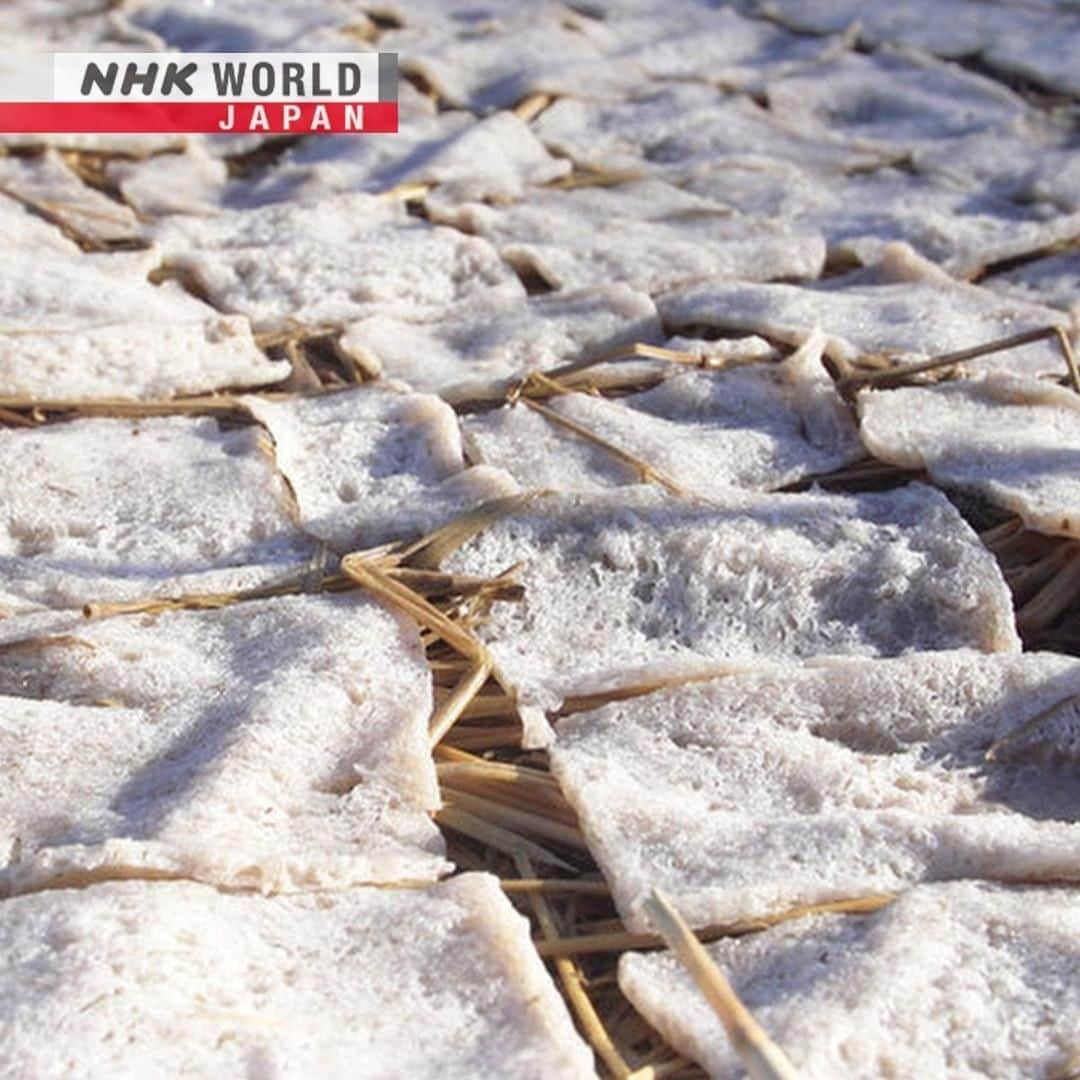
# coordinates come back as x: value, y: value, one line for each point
x: 655, y: 467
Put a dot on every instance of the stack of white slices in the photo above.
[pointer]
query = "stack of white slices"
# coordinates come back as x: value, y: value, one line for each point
x: 656, y: 467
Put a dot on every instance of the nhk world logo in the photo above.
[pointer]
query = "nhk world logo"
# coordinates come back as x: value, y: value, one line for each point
x: 189, y: 93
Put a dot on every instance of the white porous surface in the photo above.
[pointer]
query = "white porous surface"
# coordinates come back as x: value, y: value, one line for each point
x: 1054, y: 281
x: 666, y: 129
x: 1039, y: 47
x: 52, y: 190
x: 370, y: 465
x: 481, y: 340
x: 591, y: 321
x: 781, y: 787
x: 132, y: 978
x: 1013, y: 440
x: 951, y: 221
x: 760, y: 426
x: 22, y: 228
x: 960, y: 980
x: 508, y: 53
x: 971, y: 25
x: 81, y: 326
x: 718, y: 46
x: 251, y: 26
x: 330, y: 262
x: 1032, y: 43
x: 895, y: 102
x: 190, y: 181
x: 277, y: 745
x: 494, y: 157
x: 635, y: 577
x: 649, y: 234
x: 900, y: 305
x: 103, y: 509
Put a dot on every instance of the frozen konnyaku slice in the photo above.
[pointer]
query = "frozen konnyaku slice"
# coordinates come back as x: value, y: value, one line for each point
x: 76, y: 326
x: 191, y: 181
x: 197, y: 180
x: 103, y: 509
x: 667, y: 130
x: 1038, y: 46
x: 23, y: 230
x: 233, y: 26
x: 39, y: 24
x: 788, y: 786
x: 957, y: 225
x: 374, y: 464
x: 1054, y: 281
x: 902, y: 306
x: 1031, y: 165
x: 648, y: 234
x: 47, y: 186
x: 722, y: 47
x: 480, y: 341
x: 760, y: 426
x: 331, y: 262
x: 371, y: 983
x: 521, y: 51
x: 275, y: 744
x: 496, y: 157
x: 1035, y: 43
x: 958, y: 979
x: 894, y: 101
x: 1013, y: 440
x: 634, y: 578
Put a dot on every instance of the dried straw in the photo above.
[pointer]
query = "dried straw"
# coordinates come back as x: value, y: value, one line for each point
x: 902, y: 374
x: 647, y: 472
x: 617, y: 941
x: 571, y: 979
x: 367, y: 574
x: 763, y: 1059
x: 529, y: 108
x: 501, y: 839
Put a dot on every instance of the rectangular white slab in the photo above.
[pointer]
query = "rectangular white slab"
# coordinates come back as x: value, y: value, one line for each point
x: 668, y: 129
x: 279, y: 745
x: 479, y: 341
x: 790, y: 785
x: 722, y: 47
x: 1039, y: 46
x: 194, y: 181
x: 894, y: 101
x: 103, y: 509
x: 46, y: 182
x: 953, y: 221
x: 155, y: 979
x: 374, y: 464
x: 22, y: 229
x: 648, y: 234
x: 760, y: 426
x: 959, y: 980
x: 913, y: 23
x: 1054, y: 281
x: 496, y: 157
x: 492, y: 58
x: 618, y: 581
x: 251, y: 26
x: 1013, y: 440
x: 901, y: 305
x: 80, y: 326
x: 331, y: 262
